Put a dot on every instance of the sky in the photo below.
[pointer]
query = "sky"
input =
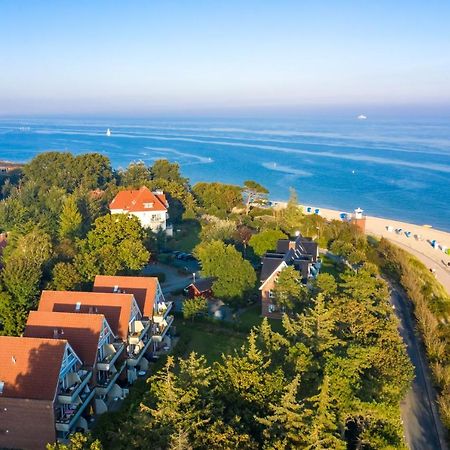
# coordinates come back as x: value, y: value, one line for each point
x: 153, y: 56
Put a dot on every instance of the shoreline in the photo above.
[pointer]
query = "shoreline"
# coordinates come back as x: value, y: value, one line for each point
x: 433, y: 257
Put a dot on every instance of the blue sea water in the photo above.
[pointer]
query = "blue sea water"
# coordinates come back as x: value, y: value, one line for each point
x: 390, y: 168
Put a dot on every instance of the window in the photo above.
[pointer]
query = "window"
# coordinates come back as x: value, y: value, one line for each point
x: 271, y: 294
x: 148, y: 205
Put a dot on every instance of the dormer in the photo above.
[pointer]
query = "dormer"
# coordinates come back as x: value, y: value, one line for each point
x: 148, y: 205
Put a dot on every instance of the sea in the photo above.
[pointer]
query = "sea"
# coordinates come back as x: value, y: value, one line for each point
x: 391, y: 168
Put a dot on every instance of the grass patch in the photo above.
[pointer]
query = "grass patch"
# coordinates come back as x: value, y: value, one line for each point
x: 329, y: 266
x: 251, y: 317
x: 187, y: 238
x: 208, y: 339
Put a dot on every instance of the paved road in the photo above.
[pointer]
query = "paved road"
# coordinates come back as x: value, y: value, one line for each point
x: 422, y: 426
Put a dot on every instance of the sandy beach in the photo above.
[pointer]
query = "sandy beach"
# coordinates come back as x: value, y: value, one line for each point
x: 433, y: 258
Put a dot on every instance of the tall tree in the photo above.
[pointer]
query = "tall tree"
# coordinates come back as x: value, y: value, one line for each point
x: 234, y: 275
x: 70, y: 222
x: 266, y: 240
x: 114, y: 245
x: 254, y: 194
x: 286, y: 427
x: 289, y: 294
x: 292, y: 216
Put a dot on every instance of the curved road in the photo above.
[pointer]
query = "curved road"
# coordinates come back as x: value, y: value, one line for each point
x: 421, y: 423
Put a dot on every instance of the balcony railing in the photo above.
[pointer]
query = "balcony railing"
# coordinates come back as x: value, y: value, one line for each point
x: 65, y: 421
x: 140, y: 329
x: 135, y: 357
x: 80, y: 379
x: 104, y: 386
x: 112, y: 352
x: 159, y: 330
x: 161, y: 311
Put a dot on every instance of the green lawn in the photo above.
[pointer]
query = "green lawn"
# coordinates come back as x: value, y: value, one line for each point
x: 329, y: 266
x: 207, y: 339
x: 251, y: 317
x: 186, y: 238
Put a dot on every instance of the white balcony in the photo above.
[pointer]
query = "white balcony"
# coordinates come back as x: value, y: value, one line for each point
x: 77, y: 381
x: 67, y: 420
x: 104, y: 386
x: 162, y: 309
x: 139, y: 351
x: 111, y: 352
x: 160, y: 329
x: 138, y: 329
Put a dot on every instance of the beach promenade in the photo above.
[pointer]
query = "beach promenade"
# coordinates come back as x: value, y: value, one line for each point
x: 433, y: 258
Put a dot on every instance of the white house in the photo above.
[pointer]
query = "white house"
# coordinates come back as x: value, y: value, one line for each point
x: 149, y: 207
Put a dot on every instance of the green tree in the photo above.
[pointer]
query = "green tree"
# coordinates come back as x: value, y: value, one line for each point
x: 70, y: 223
x: 234, y: 275
x: 219, y: 230
x: 21, y: 278
x: 115, y: 244
x: 292, y: 216
x: 77, y: 441
x: 195, y: 307
x: 217, y: 198
x: 163, y: 169
x: 323, y: 424
x: 285, y: 427
x: 288, y: 291
x: 265, y: 240
x: 65, y: 277
x: 136, y: 175
x: 254, y: 194
x: 326, y: 284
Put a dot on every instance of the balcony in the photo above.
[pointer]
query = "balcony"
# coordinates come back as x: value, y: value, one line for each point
x: 160, y: 329
x: 104, y: 386
x: 135, y: 357
x: 161, y: 311
x: 138, y: 329
x: 77, y: 381
x: 65, y: 421
x: 111, y: 352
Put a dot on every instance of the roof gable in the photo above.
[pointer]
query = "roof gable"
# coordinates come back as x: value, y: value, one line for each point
x: 30, y: 367
x: 82, y: 331
x: 117, y: 308
x: 139, y: 201
x: 143, y: 288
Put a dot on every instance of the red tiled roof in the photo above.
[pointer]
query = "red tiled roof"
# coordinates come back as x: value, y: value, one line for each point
x: 115, y: 307
x: 29, y: 367
x: 82, y: 331
x: 135, y: 200
x: 143, y: 289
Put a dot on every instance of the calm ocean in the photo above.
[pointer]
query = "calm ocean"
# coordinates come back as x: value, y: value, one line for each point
x: 393, y: 169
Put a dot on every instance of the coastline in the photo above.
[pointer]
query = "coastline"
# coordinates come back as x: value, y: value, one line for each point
x: 433, y: 258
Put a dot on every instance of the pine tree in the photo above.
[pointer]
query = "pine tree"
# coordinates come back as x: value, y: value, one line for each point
x: 70, y: 221
x: 323, y: 430
x: 285, y: 427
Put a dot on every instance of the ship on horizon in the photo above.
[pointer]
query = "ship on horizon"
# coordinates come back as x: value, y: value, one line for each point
x: 362, y: 117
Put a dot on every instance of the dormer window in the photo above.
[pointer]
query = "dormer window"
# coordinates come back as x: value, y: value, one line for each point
x: 2, y: 385
x: 148, y: 205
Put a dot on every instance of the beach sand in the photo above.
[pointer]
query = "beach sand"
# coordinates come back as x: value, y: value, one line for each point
x: 433, y: 258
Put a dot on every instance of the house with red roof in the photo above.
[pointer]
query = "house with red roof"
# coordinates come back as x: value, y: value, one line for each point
x: 149, y: 207
x: 44, y: 391
x: 150, y: 298
x: 122, y: 313
x: 94, y: 342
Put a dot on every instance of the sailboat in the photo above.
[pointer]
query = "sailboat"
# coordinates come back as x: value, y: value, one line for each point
x: 108, y: 132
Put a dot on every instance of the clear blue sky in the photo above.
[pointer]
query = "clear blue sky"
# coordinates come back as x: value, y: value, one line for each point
x: 150, y: 56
